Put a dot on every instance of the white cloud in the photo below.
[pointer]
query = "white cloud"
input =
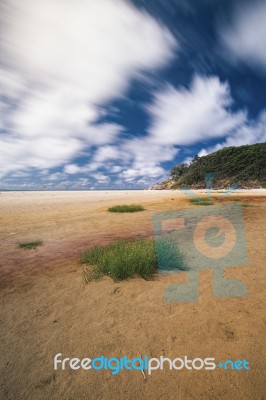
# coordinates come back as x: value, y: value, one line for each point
x: 249, y: 133
x: 149, y: 172
x: 114, y: 169
x: 134, y: 158
x: 105, y: 153
x: 146, y: 158
x: 188, y: 160
x: 100, y: 178
x: 19, y: 153
x: 245, y: 38
x: 146, y: 152
x: 81, y: 182
x: 185, y: 116
x: 140, y: 151
x: 72, y: 169
x: 55, y: 176
x: 62, y: 60
x: 96, y: 44
x: 12, y: 84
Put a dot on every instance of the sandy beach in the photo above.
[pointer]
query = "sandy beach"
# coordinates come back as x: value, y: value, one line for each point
x: 46, y: 309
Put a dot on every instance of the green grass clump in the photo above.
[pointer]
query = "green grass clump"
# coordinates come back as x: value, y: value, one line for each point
x: 30, y: 245
x: 169, y: 258
x: 201, y: 202
x: 126, y: 208
x: 124, y: 259
x: 246, y: 205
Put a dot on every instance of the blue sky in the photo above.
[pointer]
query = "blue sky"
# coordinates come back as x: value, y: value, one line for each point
x: 113, y: 94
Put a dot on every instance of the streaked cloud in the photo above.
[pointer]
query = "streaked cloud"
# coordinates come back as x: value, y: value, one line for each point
x: 98, y: 93
x: 183, y: 116
x: 61, y: 61
x: 249, y: 133
x: 245, y: 36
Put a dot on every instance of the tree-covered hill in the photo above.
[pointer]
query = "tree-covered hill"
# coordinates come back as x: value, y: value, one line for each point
x: 244, y: 165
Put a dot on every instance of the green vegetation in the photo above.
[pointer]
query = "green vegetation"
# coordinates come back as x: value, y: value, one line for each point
x: 31, y: 245
x: 169, y: 258
x: 244, y: 165
x: 127, y: 258
x: 246, y: 205
x: 201, y: 202
x: 126, y: 208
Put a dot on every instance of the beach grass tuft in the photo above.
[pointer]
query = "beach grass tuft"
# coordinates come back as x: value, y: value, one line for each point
x: 247, y: 205
x: 201, y: 202
x: 124, y: 208
x: 30, y: 245
x: 121, y: 259
x: 169, y: 257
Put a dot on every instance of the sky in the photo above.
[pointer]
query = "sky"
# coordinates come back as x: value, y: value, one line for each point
x: 111, y: 94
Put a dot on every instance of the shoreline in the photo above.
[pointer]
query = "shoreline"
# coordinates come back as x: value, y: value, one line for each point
x: 255, y: 190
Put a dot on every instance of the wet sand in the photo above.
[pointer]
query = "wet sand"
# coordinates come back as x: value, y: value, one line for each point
x: 45, y: 309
